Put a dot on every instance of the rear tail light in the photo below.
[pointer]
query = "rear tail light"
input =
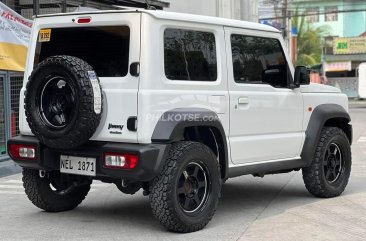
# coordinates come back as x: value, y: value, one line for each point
x: 119, y: 160
x: 20, y: 151
x: 84, y: 20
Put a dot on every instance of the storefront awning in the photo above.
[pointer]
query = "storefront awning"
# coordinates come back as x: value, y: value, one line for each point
x: 346, y: 57
x: 337, y: 66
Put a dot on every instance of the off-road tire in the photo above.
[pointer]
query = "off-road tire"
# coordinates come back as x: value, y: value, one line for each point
x: 40, y: 193
x: 163, y: 189
x: 84, y: 120
x: 314, y: 175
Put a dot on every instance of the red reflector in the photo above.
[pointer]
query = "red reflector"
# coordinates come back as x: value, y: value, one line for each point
x: 84, y: 20
x: 118, y: 160
x: 20, y: 151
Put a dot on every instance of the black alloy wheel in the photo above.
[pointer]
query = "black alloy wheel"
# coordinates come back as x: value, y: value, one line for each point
x: 193, y: 187
x: 333, y: 163
x: 56, y: 104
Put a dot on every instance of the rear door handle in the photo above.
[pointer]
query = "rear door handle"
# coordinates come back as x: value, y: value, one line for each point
x: 243, y: 101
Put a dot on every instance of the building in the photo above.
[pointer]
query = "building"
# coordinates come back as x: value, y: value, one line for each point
x: 28, y: 8
x: 235, y: 9
x: 344, y: 44
x: 345, y: 18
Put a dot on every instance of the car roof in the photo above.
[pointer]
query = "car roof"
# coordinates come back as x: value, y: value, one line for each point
x: 164, y: 15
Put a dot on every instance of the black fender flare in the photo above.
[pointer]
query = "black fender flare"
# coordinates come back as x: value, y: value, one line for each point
x: 320, y: 115
x: 172, y: 124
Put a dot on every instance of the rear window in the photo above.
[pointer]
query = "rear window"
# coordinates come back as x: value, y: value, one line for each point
x: 190, y: 55
x: 106, y: 49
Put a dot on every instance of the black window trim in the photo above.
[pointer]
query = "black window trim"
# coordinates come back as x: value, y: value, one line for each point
x: 218, y: 65
x: 290, y: 79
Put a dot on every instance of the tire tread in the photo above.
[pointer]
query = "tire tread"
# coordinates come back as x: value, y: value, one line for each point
x: 161, y: 189
x: 38, y: 194
x: 312, y: 175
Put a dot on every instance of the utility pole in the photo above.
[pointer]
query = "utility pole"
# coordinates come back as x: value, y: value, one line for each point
x: 35, y: 7
x: 284, y: 18
x: 64, y: 6
x: 287, y: 27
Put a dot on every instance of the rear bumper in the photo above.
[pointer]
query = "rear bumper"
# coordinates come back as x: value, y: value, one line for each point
x: 151, y: 158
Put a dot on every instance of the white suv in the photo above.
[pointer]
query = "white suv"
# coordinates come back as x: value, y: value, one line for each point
x: 174, y: 104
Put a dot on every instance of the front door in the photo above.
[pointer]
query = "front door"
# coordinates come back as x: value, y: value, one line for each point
x: 265, y: 114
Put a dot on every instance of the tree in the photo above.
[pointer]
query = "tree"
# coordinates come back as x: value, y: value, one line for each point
x: 310, y: 41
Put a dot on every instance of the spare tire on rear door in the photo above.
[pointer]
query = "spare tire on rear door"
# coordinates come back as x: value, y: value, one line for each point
x: 63, y: 102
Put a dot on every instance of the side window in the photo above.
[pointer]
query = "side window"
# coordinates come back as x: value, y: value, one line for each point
x: 259, y: 60
x: 190, y: 55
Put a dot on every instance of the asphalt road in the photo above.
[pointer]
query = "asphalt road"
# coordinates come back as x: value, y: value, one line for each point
x: 275, y: 207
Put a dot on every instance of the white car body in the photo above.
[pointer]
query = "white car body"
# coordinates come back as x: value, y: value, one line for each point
x: 262, y: 123
x: 198, y: 100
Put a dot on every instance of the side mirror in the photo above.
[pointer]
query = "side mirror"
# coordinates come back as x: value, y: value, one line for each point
x: 302, y: 76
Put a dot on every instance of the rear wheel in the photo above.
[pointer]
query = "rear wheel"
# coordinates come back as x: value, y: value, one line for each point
x: 185, y: 195
x: 330, y: 170
x: 55, y: 192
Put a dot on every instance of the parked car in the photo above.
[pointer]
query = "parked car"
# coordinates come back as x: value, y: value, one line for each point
x: 174, y: 104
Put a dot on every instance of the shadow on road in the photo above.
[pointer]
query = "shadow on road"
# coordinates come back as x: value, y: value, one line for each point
x: 243, y: 196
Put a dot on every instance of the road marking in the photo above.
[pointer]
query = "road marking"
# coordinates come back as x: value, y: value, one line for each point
x: 11, y: 192
x: 362, y: 139
x: 11, y: 187
x: 7, y: 188
x: 94, y: 184
x: 14, y: 181
x: 101, y: 184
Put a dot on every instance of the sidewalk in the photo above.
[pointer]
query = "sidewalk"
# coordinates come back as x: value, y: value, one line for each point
x: 8, y: 167
x: 356, y: 102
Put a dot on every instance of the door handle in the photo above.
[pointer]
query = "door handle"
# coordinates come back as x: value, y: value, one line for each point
x: 243, y: 101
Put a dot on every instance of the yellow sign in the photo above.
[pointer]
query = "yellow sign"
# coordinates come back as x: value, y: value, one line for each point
x: 355, y: 45
x: 44, y: 35
x: 12, y: 56
x: 14, y: 38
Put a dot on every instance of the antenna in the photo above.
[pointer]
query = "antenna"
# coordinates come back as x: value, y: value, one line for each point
x: 148, y: 5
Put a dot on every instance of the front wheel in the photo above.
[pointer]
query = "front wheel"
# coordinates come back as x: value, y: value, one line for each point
x: 185, y: 195
x: 328, y: 174
x: 55, y: 192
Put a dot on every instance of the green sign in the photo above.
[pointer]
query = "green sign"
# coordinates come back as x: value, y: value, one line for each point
x: 349, y: 45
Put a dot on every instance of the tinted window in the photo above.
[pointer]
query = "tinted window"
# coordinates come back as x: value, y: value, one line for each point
x: 190, y: 55
x: 106, y: 49
x: 258, y: 60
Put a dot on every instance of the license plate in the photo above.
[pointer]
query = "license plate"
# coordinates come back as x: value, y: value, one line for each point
x: 78, y: 165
